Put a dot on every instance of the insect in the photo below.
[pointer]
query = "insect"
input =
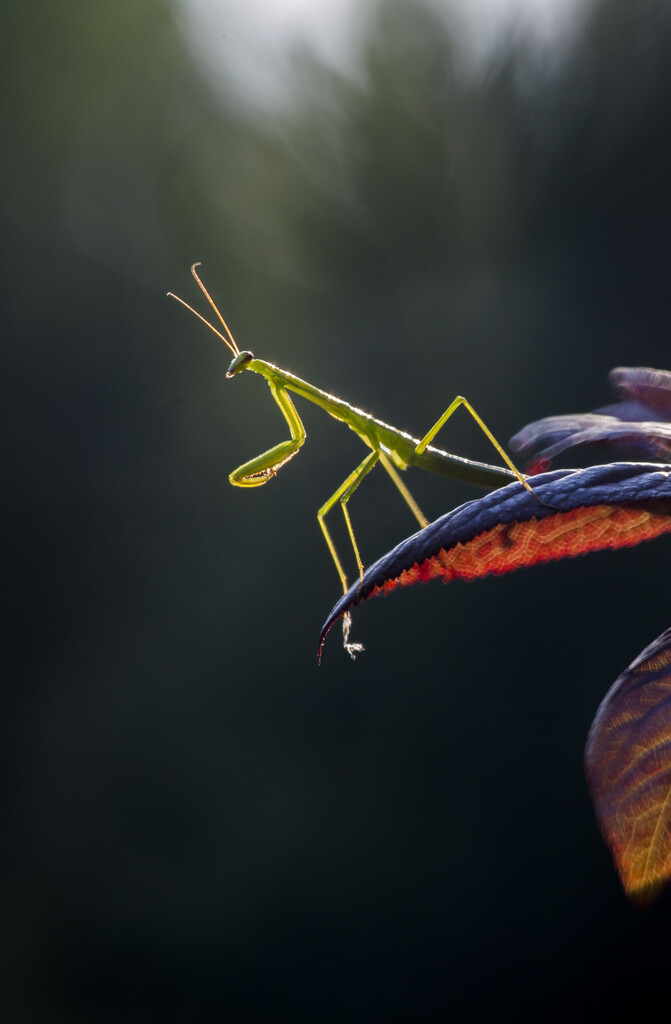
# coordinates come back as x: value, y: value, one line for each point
x: 394, y: 449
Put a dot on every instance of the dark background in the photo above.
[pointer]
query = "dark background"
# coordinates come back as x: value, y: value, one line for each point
x: 198, y: 822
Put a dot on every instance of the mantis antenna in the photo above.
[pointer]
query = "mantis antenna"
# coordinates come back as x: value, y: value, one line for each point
x: 228, y: 340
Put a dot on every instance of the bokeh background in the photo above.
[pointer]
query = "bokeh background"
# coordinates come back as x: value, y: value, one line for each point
x: 198, y: 822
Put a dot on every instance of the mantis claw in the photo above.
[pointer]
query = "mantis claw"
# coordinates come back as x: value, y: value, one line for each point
x: 352, y: 649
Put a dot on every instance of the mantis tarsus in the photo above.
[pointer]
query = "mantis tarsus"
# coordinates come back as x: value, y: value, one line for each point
x: 393, y: 448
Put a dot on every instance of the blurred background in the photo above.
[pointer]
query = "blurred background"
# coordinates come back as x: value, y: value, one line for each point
x: 399, y: 201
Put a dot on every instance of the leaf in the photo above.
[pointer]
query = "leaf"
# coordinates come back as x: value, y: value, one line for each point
x: 573, y: 512
x: 648, y: 438
x: 633, y: 424
x: 650, y: 388
x: 628, y: 766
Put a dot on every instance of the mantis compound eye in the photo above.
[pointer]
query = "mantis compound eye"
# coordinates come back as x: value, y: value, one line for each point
x: 239, y: 363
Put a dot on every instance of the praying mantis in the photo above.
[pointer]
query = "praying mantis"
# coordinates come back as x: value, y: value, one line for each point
x: 394, y: 449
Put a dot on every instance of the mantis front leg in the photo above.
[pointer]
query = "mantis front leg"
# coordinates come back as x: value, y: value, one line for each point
x: 265, y: 466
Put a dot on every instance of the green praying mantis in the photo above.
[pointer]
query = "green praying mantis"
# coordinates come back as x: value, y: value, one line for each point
x: 394, y: 449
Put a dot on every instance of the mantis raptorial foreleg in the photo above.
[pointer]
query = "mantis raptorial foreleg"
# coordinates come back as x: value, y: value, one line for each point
x: 265, y: 466
x: 452, y: 407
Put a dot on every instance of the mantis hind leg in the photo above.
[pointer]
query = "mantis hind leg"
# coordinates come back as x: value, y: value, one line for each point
x: 452, y: 407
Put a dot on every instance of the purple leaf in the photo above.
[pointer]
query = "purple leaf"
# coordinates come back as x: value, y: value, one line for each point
x: 573, y: 512
x: 651, y: 388
x: 648, y: 438
x: 633, y: 424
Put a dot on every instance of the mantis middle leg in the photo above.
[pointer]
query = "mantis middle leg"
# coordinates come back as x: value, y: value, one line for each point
x: 343, y: 494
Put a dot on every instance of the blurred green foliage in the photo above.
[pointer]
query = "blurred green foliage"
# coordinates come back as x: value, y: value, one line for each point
x: 198, y: 821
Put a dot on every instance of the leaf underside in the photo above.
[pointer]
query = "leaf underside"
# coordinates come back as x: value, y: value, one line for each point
x: 628, y: 767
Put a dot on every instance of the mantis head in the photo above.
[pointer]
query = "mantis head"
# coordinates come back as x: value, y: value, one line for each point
x: 239, y: 363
